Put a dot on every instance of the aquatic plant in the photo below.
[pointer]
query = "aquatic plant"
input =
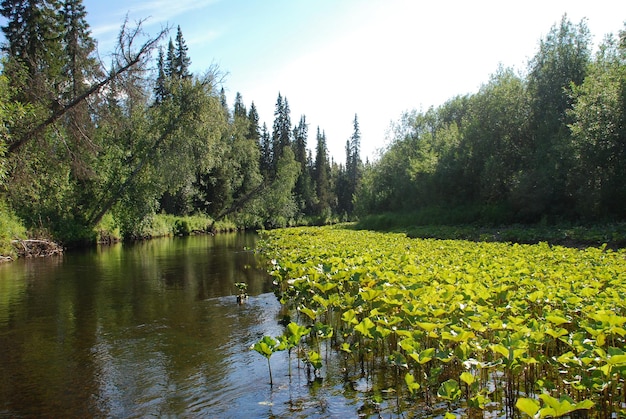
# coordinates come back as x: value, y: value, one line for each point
x: 476, y: 325
x: 266, y: 347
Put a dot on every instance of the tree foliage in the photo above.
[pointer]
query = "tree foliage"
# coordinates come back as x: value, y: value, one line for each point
x: 545, y: 145
x: 81, y: 140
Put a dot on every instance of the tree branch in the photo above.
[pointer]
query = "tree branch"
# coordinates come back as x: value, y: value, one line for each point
x: 129, y: 60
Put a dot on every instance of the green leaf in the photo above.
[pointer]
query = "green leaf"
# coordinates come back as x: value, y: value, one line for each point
x: 310, y: 313
x: 365, y: 327
x: 449, y: 390
x: 467, y: 378
x: 349, y: 317
x: 557, y: 320
x: 266, y: 346
x: 411, y: 384
x: 528, y: 406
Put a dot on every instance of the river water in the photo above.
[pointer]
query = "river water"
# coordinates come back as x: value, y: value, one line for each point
x: 151, y: 329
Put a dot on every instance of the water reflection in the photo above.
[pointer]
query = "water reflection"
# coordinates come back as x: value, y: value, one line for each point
x: 127, y: 331
x: 153, y: 329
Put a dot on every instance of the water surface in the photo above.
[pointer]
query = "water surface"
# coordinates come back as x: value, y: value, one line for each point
x: 153, y: 330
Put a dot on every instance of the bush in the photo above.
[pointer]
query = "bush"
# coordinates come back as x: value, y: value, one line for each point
x: 182, y: 227
x: 11, y: 228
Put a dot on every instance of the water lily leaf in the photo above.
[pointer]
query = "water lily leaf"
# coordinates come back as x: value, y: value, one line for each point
x: 312, y: 314
x: 398, y: 360
x: 411, y: 384
x: 467, y: 378
x: 314, y: 359
x: 349, y: 316
x: 557, y: 320
x: 528, y: 406
x: 429, y: 327
x: 266, y: 346
x: 369, y: 294
x: 365, y: 327
x: 449, y: 390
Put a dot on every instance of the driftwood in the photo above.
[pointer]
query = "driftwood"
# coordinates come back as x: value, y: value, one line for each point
x: 36, y: 248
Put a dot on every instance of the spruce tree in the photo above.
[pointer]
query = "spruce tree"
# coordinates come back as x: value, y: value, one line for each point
x: 181, y: 57
x: 34, y: 33
x: 266, y: 152
x: 321, y: 175
x: 160, y: 88
x: 254, y: 132
x: 239, y: 110
x: 81, y: 65
x: 170, y: 60
x: 281, y: 133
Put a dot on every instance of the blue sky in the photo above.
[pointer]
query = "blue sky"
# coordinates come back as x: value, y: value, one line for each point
x: 333, y: 59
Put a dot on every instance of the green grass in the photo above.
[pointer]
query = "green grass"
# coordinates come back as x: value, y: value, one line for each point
x: 11, y: 228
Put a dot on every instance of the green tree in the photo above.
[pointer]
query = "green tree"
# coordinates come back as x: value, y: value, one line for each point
x: 321, y: 176
x: 561, y: 62
x: 281, y: 132
x: 181, y: 60
x: 496, y: 136
x: 599, y: 132
x: 266, y: 152
x: 350, y: 177
x: 304, y: 189
x: 160, y: 87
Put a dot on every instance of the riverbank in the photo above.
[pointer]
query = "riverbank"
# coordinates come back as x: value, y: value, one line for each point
x: 613, y: 235
x: 17, y: 242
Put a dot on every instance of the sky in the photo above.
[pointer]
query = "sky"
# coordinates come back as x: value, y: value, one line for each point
x: 334, y: 59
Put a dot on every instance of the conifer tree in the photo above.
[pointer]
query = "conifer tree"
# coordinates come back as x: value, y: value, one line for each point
x: 239, y: 110
x: 79, y: 46
x: 34, y: 32
x: 181, y: 57
x: 321, y: 175
x: 160, y: 88
x: 170, y: 60
x: 254, y: 132
x: 281, y: 133
x: 266, y: 152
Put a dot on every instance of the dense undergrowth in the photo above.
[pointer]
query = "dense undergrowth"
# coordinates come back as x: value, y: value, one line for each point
x: 456, y: 226
x: 457, y: 328
x: 108, y: 231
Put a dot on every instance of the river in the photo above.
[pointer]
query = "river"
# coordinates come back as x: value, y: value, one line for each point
x: 151, y: 329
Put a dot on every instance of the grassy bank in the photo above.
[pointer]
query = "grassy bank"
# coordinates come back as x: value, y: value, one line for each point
x: 429, y: 225
x: 162, y: 225
x: 11, y: 228
x: 108, y: 231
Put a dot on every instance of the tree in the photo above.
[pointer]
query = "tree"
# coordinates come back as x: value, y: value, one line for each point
x: 304, y: 189
x: 34, y: 33
x: 321, y: 176
x: 281, y: 132
x: 181, y: 60
x: 599, y: 133
x: 254, y: 131
x: 267, y: 155
x: 561, y: 62
x: 160, y: 87
x: 351, y: 175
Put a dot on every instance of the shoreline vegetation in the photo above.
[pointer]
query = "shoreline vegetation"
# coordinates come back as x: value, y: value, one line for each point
x: 610, y: 235
x: 17, y: 242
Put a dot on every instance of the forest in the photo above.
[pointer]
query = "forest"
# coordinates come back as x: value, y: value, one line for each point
x: 95, y: 151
